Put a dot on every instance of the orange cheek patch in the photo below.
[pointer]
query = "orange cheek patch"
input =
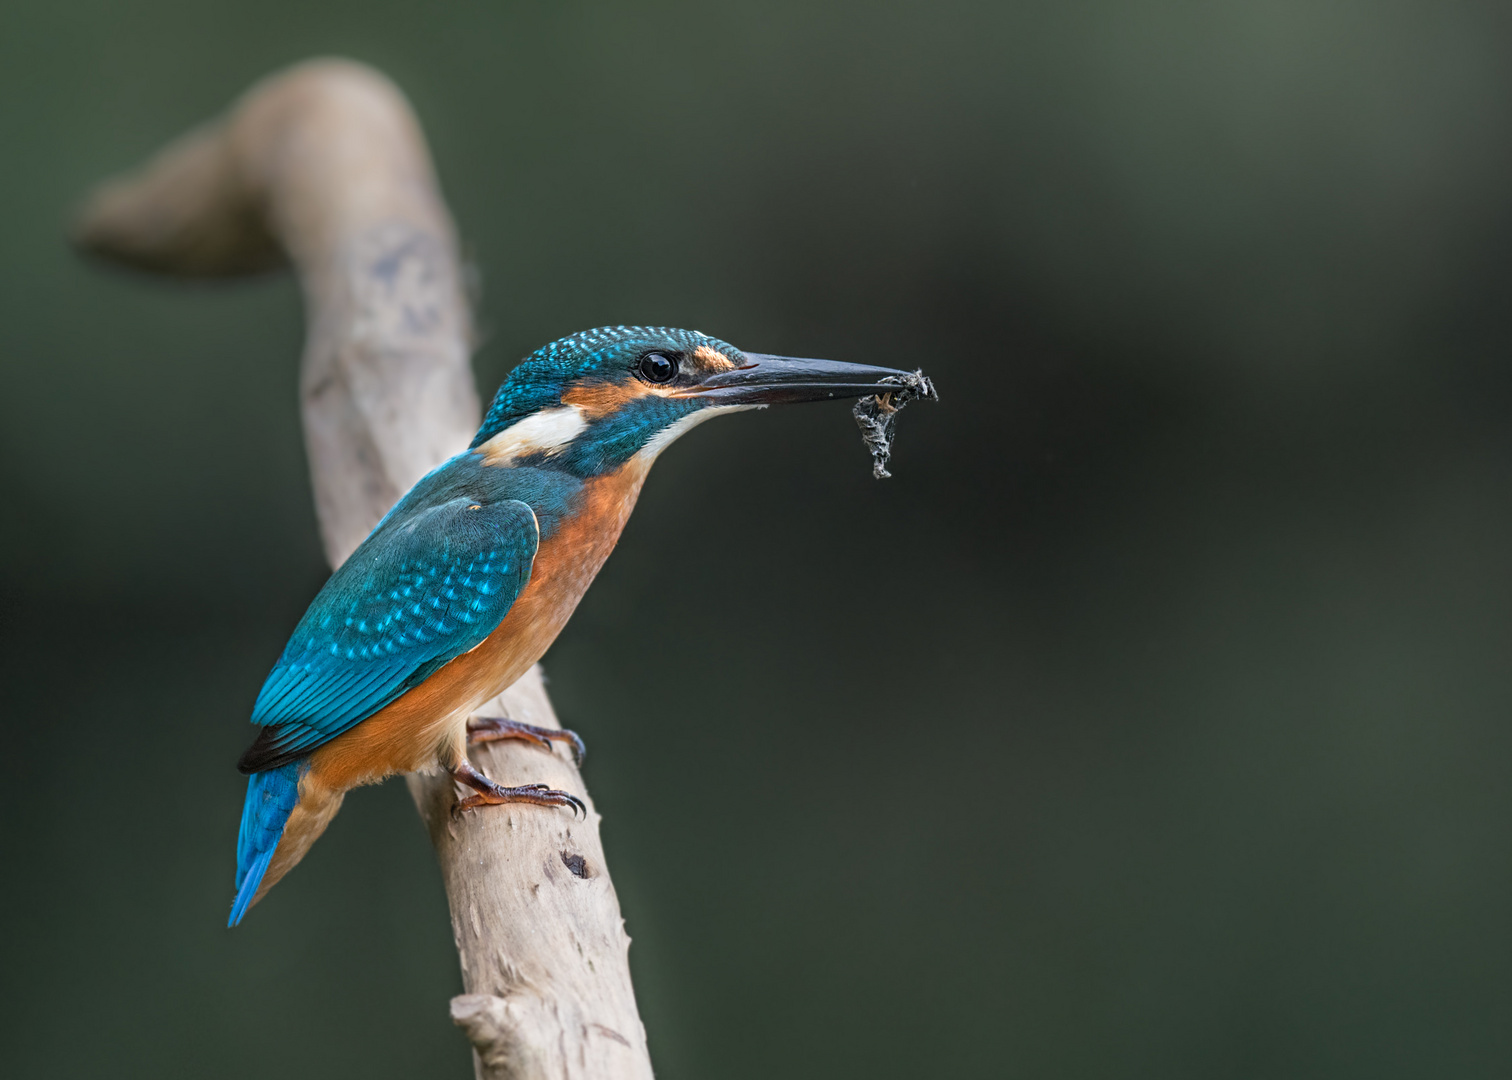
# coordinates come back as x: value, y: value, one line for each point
x: 598, y: 400
x: 712, y: 359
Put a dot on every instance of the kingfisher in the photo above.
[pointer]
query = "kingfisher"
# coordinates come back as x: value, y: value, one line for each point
x: 467, y: 581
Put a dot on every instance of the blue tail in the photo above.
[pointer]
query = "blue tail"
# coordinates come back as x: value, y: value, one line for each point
x: 271, y: 797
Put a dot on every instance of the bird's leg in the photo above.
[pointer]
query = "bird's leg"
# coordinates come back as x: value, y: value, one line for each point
x: 492, y: 794
x: 490, y: 728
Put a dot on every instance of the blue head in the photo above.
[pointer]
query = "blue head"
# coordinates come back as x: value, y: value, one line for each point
x: 591, y: 402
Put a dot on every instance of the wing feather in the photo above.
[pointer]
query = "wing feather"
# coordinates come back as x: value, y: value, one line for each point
x: 419, y: 592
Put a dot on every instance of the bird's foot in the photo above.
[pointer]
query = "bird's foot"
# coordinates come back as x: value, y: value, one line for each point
x: 482, y: 729
x: 492, y: 794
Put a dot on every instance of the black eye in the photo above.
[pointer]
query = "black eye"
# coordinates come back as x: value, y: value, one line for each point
x: 654, y: 367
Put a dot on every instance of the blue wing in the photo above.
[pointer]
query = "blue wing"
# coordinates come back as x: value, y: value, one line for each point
x: 420, y: 591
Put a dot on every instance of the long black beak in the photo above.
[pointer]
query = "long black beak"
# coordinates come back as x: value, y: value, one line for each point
x: 777, y: 380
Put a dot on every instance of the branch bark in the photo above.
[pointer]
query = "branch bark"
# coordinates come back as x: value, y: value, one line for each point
x: 325, y: 166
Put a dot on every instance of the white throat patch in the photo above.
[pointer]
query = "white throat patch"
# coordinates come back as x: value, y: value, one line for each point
x: 549, y: 431
x: 674, y: 431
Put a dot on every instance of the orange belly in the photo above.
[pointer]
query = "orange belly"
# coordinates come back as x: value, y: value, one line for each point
x: 427, y: 726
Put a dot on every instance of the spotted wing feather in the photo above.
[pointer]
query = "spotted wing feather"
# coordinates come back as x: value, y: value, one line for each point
x: 420, y: 591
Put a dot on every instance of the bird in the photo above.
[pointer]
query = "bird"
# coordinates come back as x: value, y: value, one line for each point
x: 468, y: 579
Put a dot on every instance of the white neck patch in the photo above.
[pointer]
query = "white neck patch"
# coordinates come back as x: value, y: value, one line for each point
x: 549, y: 431
x: 674, y: 431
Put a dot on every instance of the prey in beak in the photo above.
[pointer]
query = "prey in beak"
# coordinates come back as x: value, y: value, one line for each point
x: 779, y: 380
x: 783, y: 380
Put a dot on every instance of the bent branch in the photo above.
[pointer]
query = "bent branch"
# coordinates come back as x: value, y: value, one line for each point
x: 324, y: 166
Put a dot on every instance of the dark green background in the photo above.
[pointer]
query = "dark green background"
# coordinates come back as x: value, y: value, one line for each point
x: 1152, y: 722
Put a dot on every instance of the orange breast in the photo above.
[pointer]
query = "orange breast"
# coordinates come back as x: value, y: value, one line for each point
x: 427, y: 724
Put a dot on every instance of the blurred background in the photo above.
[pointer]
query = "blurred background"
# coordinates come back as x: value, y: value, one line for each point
x: 1153, y: 721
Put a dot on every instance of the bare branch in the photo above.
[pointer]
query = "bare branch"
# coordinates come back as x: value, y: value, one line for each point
x: 325, y: 165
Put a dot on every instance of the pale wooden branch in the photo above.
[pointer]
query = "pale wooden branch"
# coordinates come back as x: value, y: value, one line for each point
x: 325, y: 165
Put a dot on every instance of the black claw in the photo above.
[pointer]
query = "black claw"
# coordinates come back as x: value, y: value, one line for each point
x: 542, y: 737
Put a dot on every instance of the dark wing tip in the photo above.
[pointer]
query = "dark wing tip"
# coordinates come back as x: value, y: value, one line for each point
x: 265, y: 754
